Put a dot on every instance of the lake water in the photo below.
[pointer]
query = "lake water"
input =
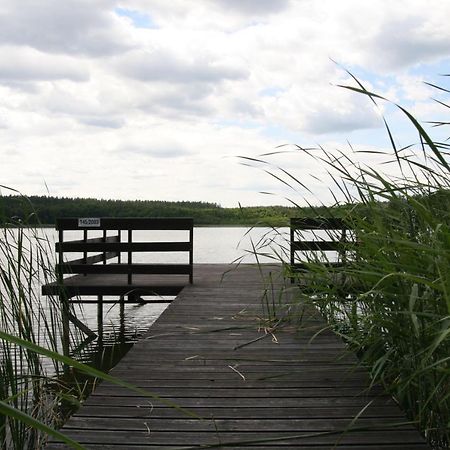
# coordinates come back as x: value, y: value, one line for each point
x: 224, y: 245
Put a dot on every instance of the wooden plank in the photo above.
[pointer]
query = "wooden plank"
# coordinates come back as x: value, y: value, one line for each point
x: 246, y: 402
x: 285, y: 439
x: 294, y: 413
x: 244, y: 425
x: 316, y: 245
x: 266, y: 446
x: 81, y: 246
x: 163, y: 287
x: 318, y: 223
x: 136, y: 268
x: 368, y: 446
x: 126, y: 223
x: 88, y: 260
x: 210, y: 352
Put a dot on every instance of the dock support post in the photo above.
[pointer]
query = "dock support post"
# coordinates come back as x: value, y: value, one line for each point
x: 122, y: 306
x: 122, y: 319
x: 100, y: 316
x: 65, y: 324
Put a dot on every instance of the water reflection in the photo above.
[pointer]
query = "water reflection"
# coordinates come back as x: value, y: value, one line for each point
x: 121, y: 326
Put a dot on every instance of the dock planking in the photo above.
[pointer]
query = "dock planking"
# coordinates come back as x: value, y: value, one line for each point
x: 246, y: 383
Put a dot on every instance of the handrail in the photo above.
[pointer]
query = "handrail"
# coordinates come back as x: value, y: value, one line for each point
x: 111, y: 247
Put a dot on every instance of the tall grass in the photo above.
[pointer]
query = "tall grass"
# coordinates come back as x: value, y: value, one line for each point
x: 37, y: 381
x: 28, y: 382
x: 392, y: 300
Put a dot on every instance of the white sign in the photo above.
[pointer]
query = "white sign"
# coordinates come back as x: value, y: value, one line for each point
x: 89, y: 222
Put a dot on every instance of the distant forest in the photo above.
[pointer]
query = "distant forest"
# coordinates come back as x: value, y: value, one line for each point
x: 45, y: 210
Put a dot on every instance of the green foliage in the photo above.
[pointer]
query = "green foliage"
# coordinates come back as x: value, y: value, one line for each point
x: 43, y: 209
x: 27, y: 383
x: 391, y: 301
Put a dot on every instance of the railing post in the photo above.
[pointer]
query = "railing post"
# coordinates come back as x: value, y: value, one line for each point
x: 292, y: 250
x: 119, y: 239
x: 191, y: 254
x: 85, y: 235
x: 130, y: 255
x: 104, y: 252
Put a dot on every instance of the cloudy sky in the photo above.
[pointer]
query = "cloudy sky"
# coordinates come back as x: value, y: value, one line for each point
x: 155, y: 99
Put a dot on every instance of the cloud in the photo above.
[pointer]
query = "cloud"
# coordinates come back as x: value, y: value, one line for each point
x: 103, y: 122
x: 138, y: 19
x: 83, y: 103
x: 24, y: 64
x: 420, y: 43
x: 161, y: 90
x: 165, y: 66
x: 69, y: 26
x: 319, y: 108
x: 385, y: 36
x: 165, y: 150
x: 252, y: 8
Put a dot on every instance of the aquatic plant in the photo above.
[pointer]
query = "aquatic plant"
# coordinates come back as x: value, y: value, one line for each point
x: 392, y: 301
x: 27, y: 381
x: 37, y: 377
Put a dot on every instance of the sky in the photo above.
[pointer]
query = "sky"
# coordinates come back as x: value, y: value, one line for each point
x: 158, y: 99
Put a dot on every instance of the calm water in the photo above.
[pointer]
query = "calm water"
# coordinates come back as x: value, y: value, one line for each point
x: 211, y: 245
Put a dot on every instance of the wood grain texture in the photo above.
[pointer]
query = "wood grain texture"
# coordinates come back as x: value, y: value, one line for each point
x: 264, y: 385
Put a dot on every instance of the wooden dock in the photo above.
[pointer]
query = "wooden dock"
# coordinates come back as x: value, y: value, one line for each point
x: 254, y: 384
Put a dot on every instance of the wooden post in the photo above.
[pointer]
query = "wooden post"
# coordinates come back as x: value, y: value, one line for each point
x: 130, y: 254
x: 292, y: 256
x: 119, y: 239
x: 104, y: 251
x: 343, y: 244
x: 100, y: 316
x: 65, y: 324
x: 191, y: 255
x: 85, y: 235
x: 122, y: 319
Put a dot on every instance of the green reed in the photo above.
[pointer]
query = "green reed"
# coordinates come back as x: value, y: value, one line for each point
x: 391, y: 301
x: 28, y: 383
x: 37, y: 381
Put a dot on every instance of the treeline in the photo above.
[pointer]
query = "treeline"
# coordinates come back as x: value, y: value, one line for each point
x: 45, y: 210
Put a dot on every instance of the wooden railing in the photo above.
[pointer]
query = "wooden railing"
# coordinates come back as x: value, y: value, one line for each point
x: 108, y: 247
x: 322, y: 235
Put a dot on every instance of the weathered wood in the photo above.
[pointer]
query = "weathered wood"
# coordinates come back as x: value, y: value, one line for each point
x: 318, y: 223
x: 104, y: 279
x: 336, y: 239
x: 212, y: 352
x: 96, y: 246
x: 375, y: 446
x: 83, y: 262
x: 129, y: 223
x: 117, y: 285
x: 287, y: 439
x: 81, y: 244
x: 243, y: 425
x: 136, y: 268
x: 381, y: 413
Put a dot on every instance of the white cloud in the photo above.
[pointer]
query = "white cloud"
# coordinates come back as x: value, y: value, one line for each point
x: 162, y: 66
x: 89, y: 95
x: 70, y: 26
x: 249, y: 8
x: 22, y: 64
x: 153, y: 148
